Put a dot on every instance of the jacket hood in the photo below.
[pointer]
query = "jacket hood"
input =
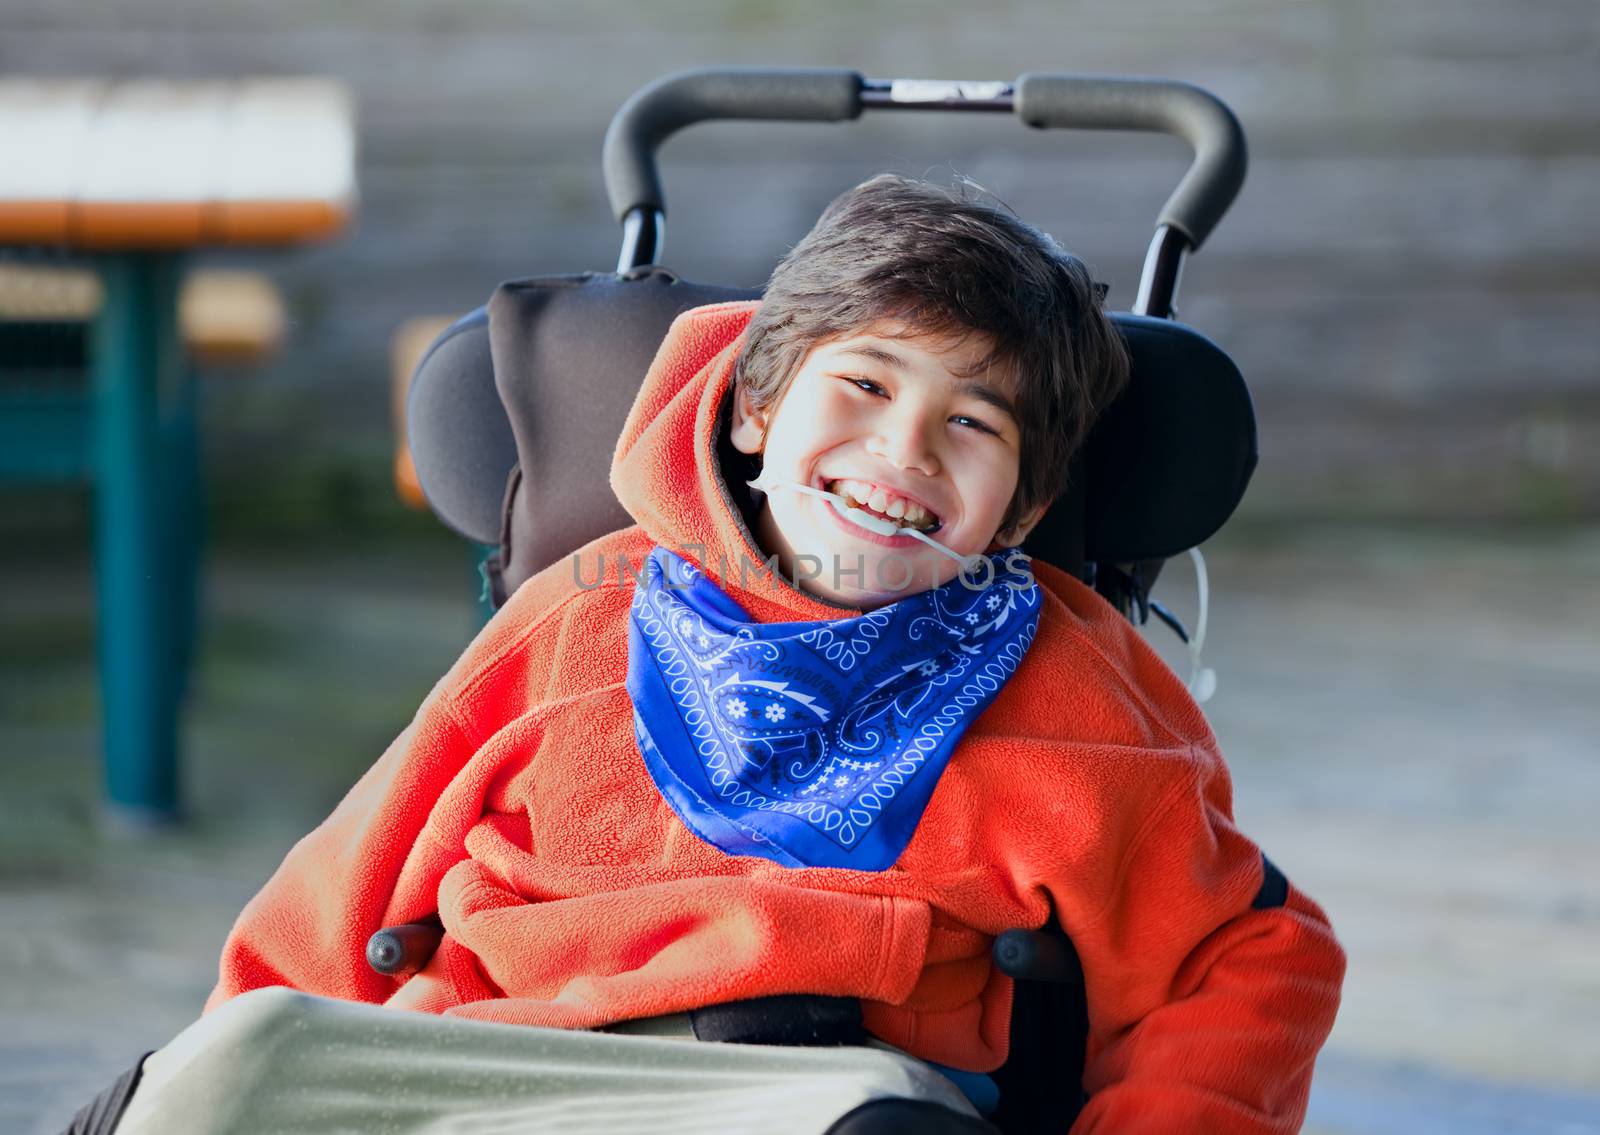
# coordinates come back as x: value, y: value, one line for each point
x: 667, y: 473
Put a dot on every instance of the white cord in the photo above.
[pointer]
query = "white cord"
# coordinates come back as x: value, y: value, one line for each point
x: 858, y: 516
x: 1202, y: 680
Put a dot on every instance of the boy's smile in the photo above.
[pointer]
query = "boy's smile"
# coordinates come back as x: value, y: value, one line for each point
x: 904, y: 425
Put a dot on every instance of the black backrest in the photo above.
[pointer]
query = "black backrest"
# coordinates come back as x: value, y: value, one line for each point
x: 515, y: 411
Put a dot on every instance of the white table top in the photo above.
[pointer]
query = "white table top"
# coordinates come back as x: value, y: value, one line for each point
x: 148, y: 163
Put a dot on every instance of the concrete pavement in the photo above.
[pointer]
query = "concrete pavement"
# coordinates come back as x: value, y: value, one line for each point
x: 1411, y: 718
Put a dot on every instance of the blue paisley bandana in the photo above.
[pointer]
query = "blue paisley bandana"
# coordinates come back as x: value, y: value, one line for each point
x: 815, y: 744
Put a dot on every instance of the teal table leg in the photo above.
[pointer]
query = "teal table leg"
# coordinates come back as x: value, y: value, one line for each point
x: 136, y: 364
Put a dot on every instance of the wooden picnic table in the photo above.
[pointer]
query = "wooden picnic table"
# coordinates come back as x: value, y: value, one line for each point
x: 128, y: 177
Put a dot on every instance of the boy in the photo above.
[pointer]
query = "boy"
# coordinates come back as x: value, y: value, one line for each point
x: 832, y: 735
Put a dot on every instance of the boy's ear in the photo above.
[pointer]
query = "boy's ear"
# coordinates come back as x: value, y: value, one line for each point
x: 747, y: 428
x: 1018, y: 532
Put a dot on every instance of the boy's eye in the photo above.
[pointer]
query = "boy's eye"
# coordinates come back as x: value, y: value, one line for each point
x: 964, y: 420
x: 864, y: 383
x: 975, y: 423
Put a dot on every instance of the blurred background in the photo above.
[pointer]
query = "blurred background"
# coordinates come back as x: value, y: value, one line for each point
x: 1406, y: 609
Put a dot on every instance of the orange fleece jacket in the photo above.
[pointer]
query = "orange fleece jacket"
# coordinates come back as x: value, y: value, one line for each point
x: 517, y: 806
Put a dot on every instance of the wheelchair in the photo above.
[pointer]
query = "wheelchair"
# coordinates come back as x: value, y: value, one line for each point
x: 512, y: 447
x: 513, y: 413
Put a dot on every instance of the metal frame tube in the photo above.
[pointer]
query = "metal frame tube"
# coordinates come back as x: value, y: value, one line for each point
x: 1163, y: 269
x: 937, y: 94
x: 644, y: 232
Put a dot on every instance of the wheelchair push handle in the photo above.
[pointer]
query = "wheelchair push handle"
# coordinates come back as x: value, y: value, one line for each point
x: 657, y: 111
x: 1074, y: 102
x: 1161, y: 106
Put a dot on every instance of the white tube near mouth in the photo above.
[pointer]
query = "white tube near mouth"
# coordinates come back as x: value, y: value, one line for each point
x: 859, y: 516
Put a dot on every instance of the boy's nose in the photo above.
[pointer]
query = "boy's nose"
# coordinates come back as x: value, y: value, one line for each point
x: 905, y: 444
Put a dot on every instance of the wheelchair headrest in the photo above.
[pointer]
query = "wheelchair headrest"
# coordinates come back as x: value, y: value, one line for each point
x: 515, y: 410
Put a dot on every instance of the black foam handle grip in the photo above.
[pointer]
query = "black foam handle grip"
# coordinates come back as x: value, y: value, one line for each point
x: 1037, y: 955
x: 1163, y: 106
x: 404, y: 949
x: 668, y: 105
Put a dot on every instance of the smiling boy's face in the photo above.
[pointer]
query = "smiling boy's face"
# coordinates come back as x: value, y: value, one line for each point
x: 905, y: 423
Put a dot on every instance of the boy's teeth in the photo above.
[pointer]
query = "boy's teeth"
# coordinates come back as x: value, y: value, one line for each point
x: 866, y: 496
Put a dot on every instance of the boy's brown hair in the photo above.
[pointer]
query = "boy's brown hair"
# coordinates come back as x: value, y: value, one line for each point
x: 947, y: 262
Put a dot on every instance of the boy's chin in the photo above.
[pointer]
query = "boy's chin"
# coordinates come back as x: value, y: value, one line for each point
x: 865, y: 599
x: 826, y: 561
x: 876, y: 577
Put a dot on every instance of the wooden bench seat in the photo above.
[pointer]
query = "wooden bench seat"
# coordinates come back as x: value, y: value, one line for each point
x: 226, y: 318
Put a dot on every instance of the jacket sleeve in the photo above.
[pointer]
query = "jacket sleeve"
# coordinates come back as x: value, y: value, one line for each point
x: 379, y: 858
x: 363, y: 868
x: 1209, y: 993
